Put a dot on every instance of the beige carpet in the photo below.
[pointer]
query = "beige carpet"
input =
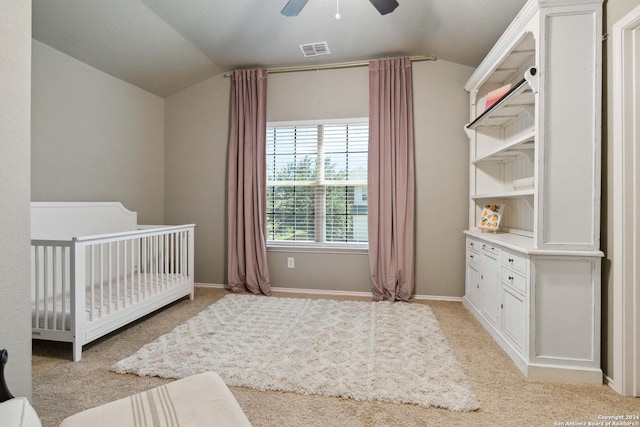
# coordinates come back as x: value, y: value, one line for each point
x: 61, y: 387
x: 386, y: 352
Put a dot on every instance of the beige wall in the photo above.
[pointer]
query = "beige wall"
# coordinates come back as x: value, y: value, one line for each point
x: 311, y: 95
x: 196, y: 129
x: 441, y: 109
x: 615, y: 10
x: 15, y: 105
x: 196, y: 149
x: 95, y: 137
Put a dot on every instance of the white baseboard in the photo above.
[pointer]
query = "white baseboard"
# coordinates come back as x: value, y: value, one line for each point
x: 564, y: 374
x: 609, y: 382
x: 322, y: 292
x: 437, y: 298
x: 332, y: 292
x: 211, y: 285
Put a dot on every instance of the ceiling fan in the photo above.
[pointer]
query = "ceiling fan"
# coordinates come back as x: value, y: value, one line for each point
x: 293, y: 7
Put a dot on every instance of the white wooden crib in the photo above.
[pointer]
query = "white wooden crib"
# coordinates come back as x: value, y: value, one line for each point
x: 94, y: 269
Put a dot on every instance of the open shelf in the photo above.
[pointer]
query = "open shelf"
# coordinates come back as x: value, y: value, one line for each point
x: 508, y: 108
x: 503, y: 194
x: 510, y: 150
x: 513, y: 64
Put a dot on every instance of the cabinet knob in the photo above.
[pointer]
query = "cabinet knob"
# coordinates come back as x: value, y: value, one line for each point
x: 511, y: 278
x: 511, y: 260
x: 471, y: 256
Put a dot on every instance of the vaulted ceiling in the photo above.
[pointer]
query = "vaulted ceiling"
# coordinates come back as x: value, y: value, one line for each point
x: 164, y: 46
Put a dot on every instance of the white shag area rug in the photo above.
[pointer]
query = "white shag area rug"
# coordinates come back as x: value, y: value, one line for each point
x: 371, y: 351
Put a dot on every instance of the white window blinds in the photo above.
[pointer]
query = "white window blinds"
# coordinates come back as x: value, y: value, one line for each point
x: 317, y: 182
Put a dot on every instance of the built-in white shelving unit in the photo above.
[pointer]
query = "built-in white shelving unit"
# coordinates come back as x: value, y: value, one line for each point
x: 535, y: 284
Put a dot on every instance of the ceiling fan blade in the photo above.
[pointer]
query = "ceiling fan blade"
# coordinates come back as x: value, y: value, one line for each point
x: 384, y: 6
x: 293, y: 7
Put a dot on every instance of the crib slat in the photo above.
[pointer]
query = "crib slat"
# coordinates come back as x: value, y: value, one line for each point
x: 54, y: 282
x: 159, y: 280
x: 65, y: 287
x: 183, y: 258
x: 156, y: 261
x: 181, y: 255
x: 124, y: 272
x: 185, y: 270
x: 154, y: 267
x: 165, y: 257
x: 167, y: 268
x: 139, y: 249
x: 92, y: 275
x: 178, y: 256
x: 133, y: 271
x: 37, y: 285
x: 117, y: 275
x: 145, y: 248
x: 101, y: 279
x: 46, y: 287
x: 110, y: 267
x: 172, y: 268
x: 146, y: 264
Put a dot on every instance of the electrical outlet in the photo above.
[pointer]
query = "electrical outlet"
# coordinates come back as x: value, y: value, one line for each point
x: 290, y: 262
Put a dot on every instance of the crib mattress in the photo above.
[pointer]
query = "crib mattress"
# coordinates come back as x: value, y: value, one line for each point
x: 51, y: 315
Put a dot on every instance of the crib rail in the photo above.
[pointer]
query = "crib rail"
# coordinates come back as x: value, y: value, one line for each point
x: 89, y: 278
x: 124, y: 268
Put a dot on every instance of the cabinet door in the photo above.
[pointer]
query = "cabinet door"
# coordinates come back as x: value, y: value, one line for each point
x: 490, y: 288
x: 472, y: 283
x: 513, y: 318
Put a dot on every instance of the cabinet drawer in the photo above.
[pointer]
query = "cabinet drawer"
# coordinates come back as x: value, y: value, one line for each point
x: 473, y: 258
x: 516, y: 281
x: 516, y: 262
x: 488, y: 247
x: 473, y: 245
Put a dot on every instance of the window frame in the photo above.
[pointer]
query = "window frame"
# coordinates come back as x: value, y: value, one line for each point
x: 318, y: 247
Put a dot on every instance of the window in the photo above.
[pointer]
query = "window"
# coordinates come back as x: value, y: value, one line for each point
x: 317, y: 181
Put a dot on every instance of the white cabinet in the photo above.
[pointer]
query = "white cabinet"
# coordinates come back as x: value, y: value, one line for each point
x: 536, y: 150
x: 499, y: 295
x: 513, y: 324
x: 514, y: 284
x: 472, y: 276
x: 490, y: 285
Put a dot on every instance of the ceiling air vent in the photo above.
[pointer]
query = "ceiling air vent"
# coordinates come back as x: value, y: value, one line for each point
x: 315, y: 49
